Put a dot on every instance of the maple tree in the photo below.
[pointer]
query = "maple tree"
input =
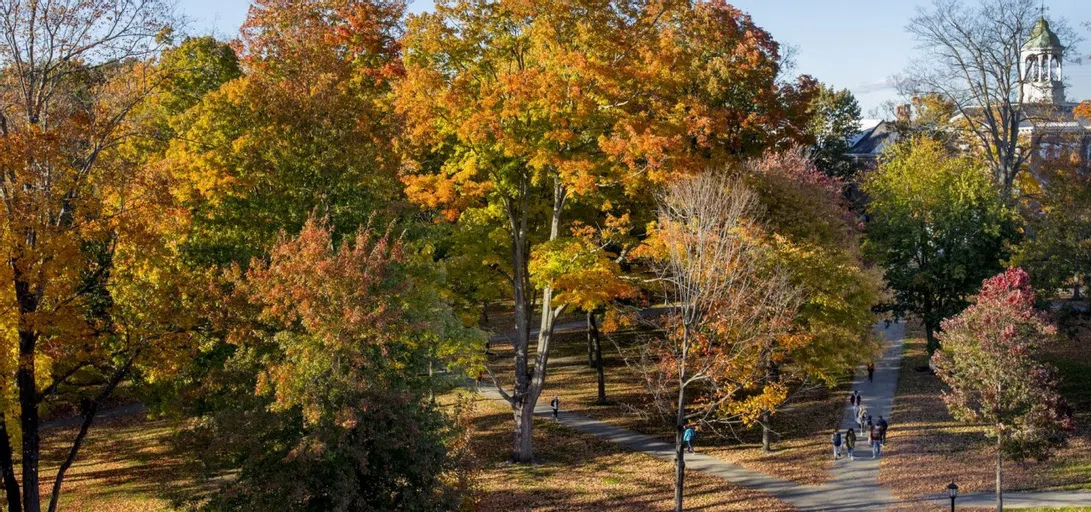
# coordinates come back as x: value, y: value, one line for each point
x: 295, y: 388
x: 731, y: 307
x: 1056, y: 252
x: 304, y: 128
x: 91, y: 288
x: 815, y: 239
x: 938, y: 227
x: 517, y: 112
x: 340, y: 337
x: 989, y: 361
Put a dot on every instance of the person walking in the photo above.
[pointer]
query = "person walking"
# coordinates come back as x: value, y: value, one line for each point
x: 836, y: 444
x: 687, y: 437
x: 850, y: 442
x: 854, y: 399
x: 882, y: 430
x: 871, y: 371
x: 873, y: 438
x: 861, y: 418
x: 556, y: 405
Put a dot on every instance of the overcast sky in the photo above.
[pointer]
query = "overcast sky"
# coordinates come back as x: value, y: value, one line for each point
x: 846, y: 43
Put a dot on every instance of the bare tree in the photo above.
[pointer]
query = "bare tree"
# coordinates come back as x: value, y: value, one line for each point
x: 970, y: 57
x: 731, y: 305
x: 71, y: 72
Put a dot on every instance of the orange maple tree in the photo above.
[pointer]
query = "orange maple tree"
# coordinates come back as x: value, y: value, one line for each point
x: 516, y: 111
x: 89, y: 285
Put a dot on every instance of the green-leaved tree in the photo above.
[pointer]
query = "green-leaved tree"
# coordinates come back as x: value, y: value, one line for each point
x: 938, y: 227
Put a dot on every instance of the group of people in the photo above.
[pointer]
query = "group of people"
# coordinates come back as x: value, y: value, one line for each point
x: 875, y: 429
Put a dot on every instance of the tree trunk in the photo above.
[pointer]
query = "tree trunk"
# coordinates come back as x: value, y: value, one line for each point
x: 590, y: 339
x: 598, y: 361
x: 930, y: 335
x: 679, y: 451
x: 528, y: 381
x: 679, y: 468
x: 89, y: 411
x: 7, y: 466
x: 28, y: 414
x: 999, y: 479
x: 431, y: 381
x: 521, y: 449
x: 765, y: 432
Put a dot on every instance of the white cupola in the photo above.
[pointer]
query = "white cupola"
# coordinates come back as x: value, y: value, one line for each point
x: 1041, y: 66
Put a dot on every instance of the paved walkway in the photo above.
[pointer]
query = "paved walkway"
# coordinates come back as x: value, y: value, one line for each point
x: 1045, y: 499
x: 856, y: 483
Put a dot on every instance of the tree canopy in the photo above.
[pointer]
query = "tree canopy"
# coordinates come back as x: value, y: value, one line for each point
x: 523, y: 115
x: 990, y: 362
x: 938, y: 226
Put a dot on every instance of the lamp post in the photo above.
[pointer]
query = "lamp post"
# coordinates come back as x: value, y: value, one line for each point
x: 952, y: 491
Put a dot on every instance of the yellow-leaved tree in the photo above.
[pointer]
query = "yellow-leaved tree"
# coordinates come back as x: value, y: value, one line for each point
x: 90, y: 287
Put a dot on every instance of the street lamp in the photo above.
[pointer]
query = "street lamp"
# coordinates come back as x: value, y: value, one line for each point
x: 952, y: 491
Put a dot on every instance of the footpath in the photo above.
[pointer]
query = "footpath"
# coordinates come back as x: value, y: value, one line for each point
x: 855, y: 485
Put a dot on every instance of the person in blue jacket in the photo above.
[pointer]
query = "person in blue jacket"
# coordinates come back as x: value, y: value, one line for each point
x: 687, y: 437
x: 836, y: 444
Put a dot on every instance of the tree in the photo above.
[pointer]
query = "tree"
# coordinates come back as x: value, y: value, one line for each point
x: 972, y: 59
x: 518, y: 112
x: 89, y: 287
x: 938, y: 227
x: 341, y: 337
x: 730, y: 306
x: 989, y: 362
x: 586, y: 278
x: 1057, y: 249
x: 835, y: 116
x: 305, y: 128
x: 814, y: 238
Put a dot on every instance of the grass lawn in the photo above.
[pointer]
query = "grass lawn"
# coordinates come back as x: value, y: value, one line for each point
x: 927, y: 448
x: 576, y: 471
x: 125, y: 464
x: 800, y: 451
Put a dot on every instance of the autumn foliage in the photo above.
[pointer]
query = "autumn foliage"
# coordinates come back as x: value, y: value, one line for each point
x: 345, y: 334
x: 990, y: 362
x: 543, y: 118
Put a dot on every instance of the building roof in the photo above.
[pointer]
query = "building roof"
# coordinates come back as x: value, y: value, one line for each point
x: 871, y: 141
x: 1041, y: 37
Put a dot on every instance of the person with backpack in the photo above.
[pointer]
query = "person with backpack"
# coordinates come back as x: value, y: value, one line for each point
x: 873, y: 438
x: 850, y: 442
x: 556, y: 405
x: 687, y: 436
x: 836, y: 444
x: 882, y: 430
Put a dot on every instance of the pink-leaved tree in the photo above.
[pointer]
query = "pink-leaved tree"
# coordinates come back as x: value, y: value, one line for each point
x: 989, y: 361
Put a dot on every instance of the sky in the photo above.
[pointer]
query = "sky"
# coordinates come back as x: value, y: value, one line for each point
x: 845, y: 43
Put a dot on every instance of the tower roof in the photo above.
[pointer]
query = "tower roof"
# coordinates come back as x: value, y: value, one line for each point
x: 1041, y: 37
